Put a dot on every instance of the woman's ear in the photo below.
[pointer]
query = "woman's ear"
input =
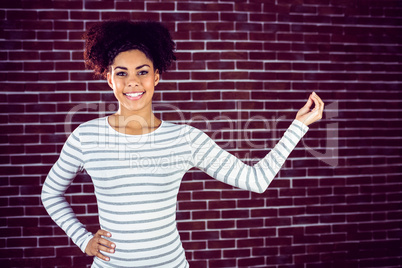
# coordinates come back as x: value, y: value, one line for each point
x: 157, y: 77
x: 109, y: 79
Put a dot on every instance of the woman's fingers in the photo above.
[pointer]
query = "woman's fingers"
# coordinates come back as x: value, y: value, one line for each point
x: 105, y: 249
x: 106, y: 245
x: 310, y: 101
x: 103, y: 241
x: 101, y: 256
x: 308, y: 116
x: 319, y: 104
x: 101, y: 232
x: 318, y: 107
x: 98, y: 244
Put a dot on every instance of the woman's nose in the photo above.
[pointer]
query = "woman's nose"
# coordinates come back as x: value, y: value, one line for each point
x: 133, y: 82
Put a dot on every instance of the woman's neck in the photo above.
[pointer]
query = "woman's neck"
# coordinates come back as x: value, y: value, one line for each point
x: 134, y: 123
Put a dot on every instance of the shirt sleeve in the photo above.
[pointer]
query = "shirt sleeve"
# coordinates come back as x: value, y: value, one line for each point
x: 225, y: 167
x: 57, y: 181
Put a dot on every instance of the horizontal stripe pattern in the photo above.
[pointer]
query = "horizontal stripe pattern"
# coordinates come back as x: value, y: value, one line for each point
x: 137, y: 179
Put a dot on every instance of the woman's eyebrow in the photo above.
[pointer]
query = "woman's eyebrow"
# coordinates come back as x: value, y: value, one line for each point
x: 125, y: 68
x: 144, y: 65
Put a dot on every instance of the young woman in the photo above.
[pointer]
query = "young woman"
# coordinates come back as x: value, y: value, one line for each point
x: 136, y: 161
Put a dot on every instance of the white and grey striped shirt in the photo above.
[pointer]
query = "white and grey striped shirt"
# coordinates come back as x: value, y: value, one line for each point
x: 137, y: 179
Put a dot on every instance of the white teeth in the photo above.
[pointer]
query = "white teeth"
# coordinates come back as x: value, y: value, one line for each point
x: 134, y: 94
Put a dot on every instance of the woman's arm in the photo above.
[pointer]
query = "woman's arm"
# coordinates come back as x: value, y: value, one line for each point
x: 225, y: 167
x: 57, y: 182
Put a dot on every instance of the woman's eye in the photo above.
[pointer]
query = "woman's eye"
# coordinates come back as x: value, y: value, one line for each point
x: 143, y: 72
x: 121, y: 74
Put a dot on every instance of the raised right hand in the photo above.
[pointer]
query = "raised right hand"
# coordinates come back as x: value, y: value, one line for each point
x: 308, y: 116
x: 98, y: 244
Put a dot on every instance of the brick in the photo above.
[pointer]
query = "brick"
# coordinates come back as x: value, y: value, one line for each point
x: 220, y: 65
x: 99, y: 5
x: 145, y: 16
x: 23, y: 222
x: 130, y: 5
x: 190, y: 26
x: 252, y: 27
x: 228, y: 214
x: 221, y: 204
x: 11, y: 211
x: 306, y: 220
x: 220, y: 26
x: 18, y: 14
x: 59, y: 15
x: 54, y: 56
x: 222, y: 263
x: 251, y: 223
x: 205, y: 235
x: 209, y: 16
x: 236, y: 195
x: 11, y: 253
x: 227, y: 16
x: 254, y: 242
x: 16, y: 76
x: 21, y: 242
x: 205, y: 76
x: 196, y: 263
x: 196, y: 215
x: 191, y: 225
x: 221, y: 224
x: 84, y: 15
x: 115, y: 15
x: 206, y: 195
x: 265, y: 251
x: 190, y: 45
x: 15, y: 170
x: 54, y: 76
x: 56, y: 262
x: 70, y: 46
x: 205, y: 6
x: 160, y: 6
x: 25, y: 159
x: 37, y: 66
x: 238, y: 233
x: 192, y: 205
x: 251, y: 261
x: 235, y: 76
x: 24, y: 262
x: 33, y: 45
x: 20, y: 35
x: 176, y: 16
x: 207, y: 254
x: 10, y: 232
x: 237, y: 36
x: 194, y: 245
x: 278, y: 221
x: 234, y: 55
x: 250, y: 65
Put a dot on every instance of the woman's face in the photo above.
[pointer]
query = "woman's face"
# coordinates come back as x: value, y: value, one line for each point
x: 133, y: 79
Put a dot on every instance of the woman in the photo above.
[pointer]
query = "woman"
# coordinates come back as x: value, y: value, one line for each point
x: 136, y: 161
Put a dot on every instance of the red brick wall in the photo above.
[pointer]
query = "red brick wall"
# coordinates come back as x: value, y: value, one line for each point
x: 244, y: 68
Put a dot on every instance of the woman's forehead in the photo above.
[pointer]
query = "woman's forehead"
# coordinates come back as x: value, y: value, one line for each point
x: 132, y: 58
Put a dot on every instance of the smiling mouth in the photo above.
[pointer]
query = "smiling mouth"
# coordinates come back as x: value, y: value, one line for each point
x: 134, y: 95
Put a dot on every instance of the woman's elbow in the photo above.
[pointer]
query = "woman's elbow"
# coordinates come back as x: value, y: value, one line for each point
x: 259, y: 190
x: 43, y: 193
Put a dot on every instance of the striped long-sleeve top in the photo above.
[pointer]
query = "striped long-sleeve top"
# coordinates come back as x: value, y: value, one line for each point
x: 136, y: 180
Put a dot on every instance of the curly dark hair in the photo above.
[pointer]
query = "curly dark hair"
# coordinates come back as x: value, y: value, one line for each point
x: 105, y: 40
